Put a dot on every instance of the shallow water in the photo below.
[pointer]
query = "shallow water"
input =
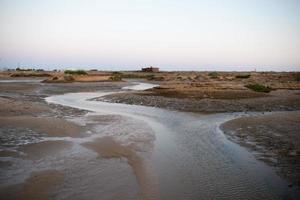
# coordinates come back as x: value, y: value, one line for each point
x: 139, y: 86
x: 156, y: 154
x: 20, y: 80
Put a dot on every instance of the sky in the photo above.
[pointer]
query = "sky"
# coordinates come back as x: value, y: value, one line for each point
x: 229, y: 35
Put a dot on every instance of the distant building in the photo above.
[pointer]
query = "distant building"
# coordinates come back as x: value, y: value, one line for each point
x: 150, y: 69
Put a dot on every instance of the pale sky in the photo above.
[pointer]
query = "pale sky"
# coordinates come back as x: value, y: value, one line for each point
x: 129, y: 34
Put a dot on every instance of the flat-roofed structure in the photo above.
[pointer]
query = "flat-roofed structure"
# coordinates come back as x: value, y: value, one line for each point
x: 150, y: 69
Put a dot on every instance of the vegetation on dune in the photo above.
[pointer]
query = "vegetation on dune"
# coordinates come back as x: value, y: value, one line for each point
x: 259, y: 88
x: 159, y: 78
x: 76, y: 72
x: 116, y: 77
x: 152, y: 77
x: 213, y: 74
x: 117, y: 73
x: 137, y: 75
x: 243, y: 76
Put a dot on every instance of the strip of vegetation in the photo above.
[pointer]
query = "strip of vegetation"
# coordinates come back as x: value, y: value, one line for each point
x: 152, y: 77
x: 117, y: 73
x: 136, y: 75
x: 76, y: 72
x: 243, y: 76
x: 259, y: 88
x: 30, y: 75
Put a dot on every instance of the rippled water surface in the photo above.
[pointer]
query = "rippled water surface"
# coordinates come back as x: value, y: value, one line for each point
x: 20, y: 80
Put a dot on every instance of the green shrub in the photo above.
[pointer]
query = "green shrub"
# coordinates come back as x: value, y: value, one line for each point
x: 243, y: 76
x: 116, y: 77
x: 158, y: 78
x: 117, y: 73
x: 130, y: 76
x: 76, y: 72
x: 213, y: 74
x: 259, y: 88
x: 150, y: 77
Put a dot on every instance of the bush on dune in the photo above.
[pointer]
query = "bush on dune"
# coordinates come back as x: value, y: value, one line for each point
x: 243, y: 76
x: 213, y: 74
x: 76, y: 72
x: 259, y: 88
x: 116, y: 77
x: 152, y: 77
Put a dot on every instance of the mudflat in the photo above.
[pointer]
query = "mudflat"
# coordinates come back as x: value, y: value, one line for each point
x: 25, y: 118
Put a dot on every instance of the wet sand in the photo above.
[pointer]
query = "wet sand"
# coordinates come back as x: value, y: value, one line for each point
x: 37, y: 187
x: 274, y: 138
x: 108, y: 148
x: 25, y: 119
x: 50, y: 126
x: 40, y: 150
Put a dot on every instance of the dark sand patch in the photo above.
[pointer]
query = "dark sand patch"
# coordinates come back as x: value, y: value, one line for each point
x: 108, y: 148
x: 275, y: 137
x: 7, y: 153
x: 204, y: 93
x: 276, y: 101
x: 5, y: 164
x: 37, y: 187
x: 23, y: 88
x: 13, y: 106
x: 46, y: 125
